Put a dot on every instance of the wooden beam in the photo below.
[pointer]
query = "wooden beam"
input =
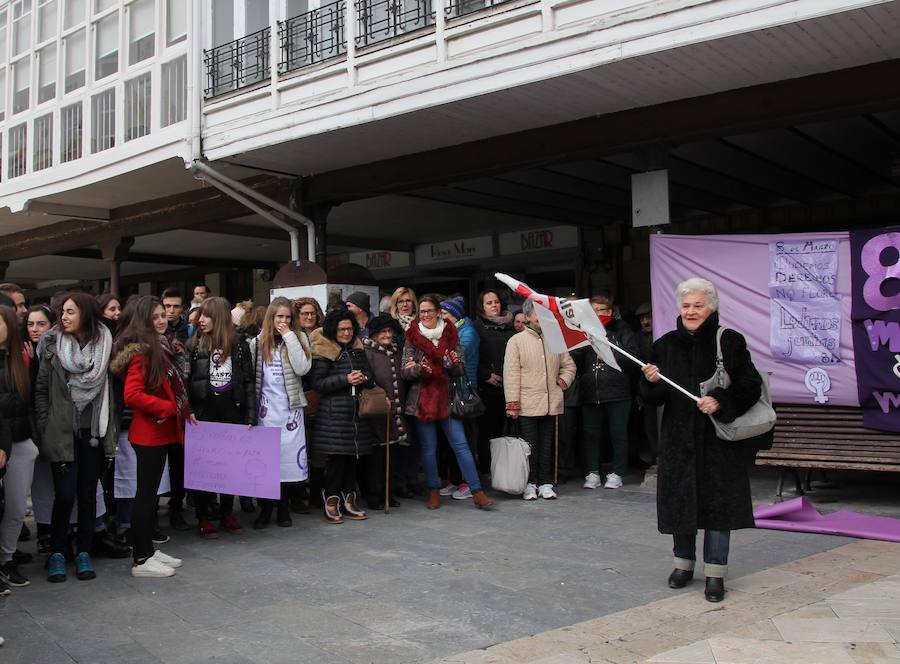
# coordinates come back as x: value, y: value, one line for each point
x: 794, y: 101
x: 169, y: 259
x: 175, y: 212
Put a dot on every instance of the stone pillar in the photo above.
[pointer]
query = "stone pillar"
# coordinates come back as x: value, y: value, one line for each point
x: 114, y: 251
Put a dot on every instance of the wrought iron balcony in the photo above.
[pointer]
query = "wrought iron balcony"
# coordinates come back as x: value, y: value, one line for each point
x: 237, y: 64
x: 378, y: 20
x: 456, y: 8
x: 315, y: 36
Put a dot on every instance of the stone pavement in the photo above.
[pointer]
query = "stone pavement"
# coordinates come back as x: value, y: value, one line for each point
x: 837, y: 607
x: 415, y: 586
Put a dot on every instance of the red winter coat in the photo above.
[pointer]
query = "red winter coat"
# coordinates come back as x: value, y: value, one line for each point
x: 156, y: 420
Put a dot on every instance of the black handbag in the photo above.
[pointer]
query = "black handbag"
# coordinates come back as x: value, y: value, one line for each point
x: 465, y: 404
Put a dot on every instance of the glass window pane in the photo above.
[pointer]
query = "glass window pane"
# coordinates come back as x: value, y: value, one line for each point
x: 75, y: 11
x: 47, y: 19
x: 223, y: 22
x: 70, y: 119
x: 47, y: 74
x: 103, y: 120
x: 18, y: 144
x: 176, y: 21
x: 141, y: 30
x: 75, y: 60
x: 257, y: 15
x: 297, y: 7
x: 107, y: 47
x: 22, y: 85
x: 21, y: 26
x: 173, y: 107
x: 3, y: 36
x: 137, y: 107
x: 43, y: 142
x: 2, y: 95
x: 100, y: 5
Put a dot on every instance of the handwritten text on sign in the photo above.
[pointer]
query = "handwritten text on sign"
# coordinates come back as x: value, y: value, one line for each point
x: 232, y: 459
x: 805, y: 312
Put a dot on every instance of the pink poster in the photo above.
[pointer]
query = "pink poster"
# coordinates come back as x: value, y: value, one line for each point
x: 232, y: 459
x: 740, y: 267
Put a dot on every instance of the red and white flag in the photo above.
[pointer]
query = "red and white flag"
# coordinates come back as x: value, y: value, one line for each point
x: 566, y: 324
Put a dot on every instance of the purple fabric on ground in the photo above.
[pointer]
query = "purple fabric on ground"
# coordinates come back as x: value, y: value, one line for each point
x: 800, y: 515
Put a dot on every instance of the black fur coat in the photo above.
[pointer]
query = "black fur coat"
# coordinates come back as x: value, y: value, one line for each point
x: 703, y: 482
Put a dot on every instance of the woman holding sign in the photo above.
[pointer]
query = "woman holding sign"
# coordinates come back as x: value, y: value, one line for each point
x: 281, y: 358
x: 221, y: 390
x: 703, y: 481
x: 156, y: 393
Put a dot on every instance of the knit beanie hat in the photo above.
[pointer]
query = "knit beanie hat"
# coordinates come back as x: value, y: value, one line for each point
x: 361, y: 300
x: 456, y: 306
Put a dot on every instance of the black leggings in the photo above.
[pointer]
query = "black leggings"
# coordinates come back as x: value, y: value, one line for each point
x: 217, y: 408
x: 538, y: 431
x: 71, y: 481
x: 151, y: 460
x: 340, y: 475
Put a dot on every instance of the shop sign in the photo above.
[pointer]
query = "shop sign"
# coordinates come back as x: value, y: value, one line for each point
x: 538, y: 239
x: 380, y: 260
x: 456, y: 250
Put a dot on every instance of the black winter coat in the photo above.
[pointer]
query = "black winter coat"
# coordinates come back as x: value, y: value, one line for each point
x: 703, y: 482
x: 14, y: 410
x: 337, y: 428
x: 243, y: 379
x: 492, y: 348
x: 597, y: 381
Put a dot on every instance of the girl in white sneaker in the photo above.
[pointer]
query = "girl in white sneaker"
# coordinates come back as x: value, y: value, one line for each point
x: 156, y: 392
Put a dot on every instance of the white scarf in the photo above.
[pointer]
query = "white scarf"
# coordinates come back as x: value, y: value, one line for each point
x: 433, y: 335
x: 86, y: 372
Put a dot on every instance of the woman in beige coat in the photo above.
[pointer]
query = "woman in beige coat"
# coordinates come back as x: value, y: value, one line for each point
x: 534, y: 379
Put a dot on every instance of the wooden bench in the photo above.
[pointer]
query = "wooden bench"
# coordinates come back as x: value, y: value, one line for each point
x: 827, y: 438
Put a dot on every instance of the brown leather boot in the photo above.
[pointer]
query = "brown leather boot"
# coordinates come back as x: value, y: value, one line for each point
x: 481, y: 500
x: 434, y: 499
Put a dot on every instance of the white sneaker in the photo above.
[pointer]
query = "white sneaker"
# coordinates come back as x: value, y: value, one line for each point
x: 449, y: 489
x: 152, y: 569
x: 462, y: 492
x: 613, y: 481
x: 167, y: 560
x: 530, y: 492
x: 592, y: 481
x: 546, y: 492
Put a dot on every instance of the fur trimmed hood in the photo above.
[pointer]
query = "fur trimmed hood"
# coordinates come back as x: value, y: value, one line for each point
x: 325, y: 348
x: 118, y: 365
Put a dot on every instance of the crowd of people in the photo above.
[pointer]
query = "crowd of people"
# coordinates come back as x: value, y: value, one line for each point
x: 96, y: 394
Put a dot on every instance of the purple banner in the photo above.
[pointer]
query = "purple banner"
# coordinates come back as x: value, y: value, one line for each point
x: 875, y: 260
x: 741, y: 267
x: 800, y: 515
x: 232, y: 459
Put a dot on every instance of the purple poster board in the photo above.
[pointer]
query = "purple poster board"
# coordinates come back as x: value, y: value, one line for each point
x: 739, y: 266
x: 232, y: 459
x: 875, y: 258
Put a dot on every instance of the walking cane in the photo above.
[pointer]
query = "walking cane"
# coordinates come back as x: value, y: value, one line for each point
x: 387, y: 463
x: 556, y: 452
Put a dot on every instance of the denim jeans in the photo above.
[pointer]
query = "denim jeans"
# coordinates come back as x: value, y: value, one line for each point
x: 455, y: 435
x: 76, y: 480
x: 715, y: 551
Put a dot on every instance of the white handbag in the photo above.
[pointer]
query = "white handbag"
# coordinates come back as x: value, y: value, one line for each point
x: 509, y: 464
x: 758, y: 420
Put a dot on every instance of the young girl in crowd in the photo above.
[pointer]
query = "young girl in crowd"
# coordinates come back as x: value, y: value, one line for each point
x: 156, y: 393
x: 221, y: 390
x: 432, y: 356
x: 75, y: 420
x: 15, y: 397
x: 281, y: 358
x: 339, y: 371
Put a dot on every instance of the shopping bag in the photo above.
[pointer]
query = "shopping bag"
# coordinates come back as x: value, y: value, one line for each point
x: 509, y: 464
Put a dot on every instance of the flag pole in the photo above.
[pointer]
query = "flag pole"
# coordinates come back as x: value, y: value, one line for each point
x: 641, y: 364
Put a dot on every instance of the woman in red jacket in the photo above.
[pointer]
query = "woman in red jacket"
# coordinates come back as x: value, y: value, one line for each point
x: 156, y: 392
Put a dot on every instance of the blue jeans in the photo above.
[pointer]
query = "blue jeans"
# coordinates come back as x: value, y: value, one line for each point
x: 715, y: 551
x: 455, y: 434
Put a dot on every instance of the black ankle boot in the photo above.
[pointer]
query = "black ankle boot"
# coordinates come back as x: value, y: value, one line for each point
x: 715, y: 589
x: 283, y: 516
x: 265, y: 516
x: 679, y: 578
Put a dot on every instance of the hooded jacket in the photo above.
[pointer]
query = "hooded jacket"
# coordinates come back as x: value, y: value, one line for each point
x: 530, y: 372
